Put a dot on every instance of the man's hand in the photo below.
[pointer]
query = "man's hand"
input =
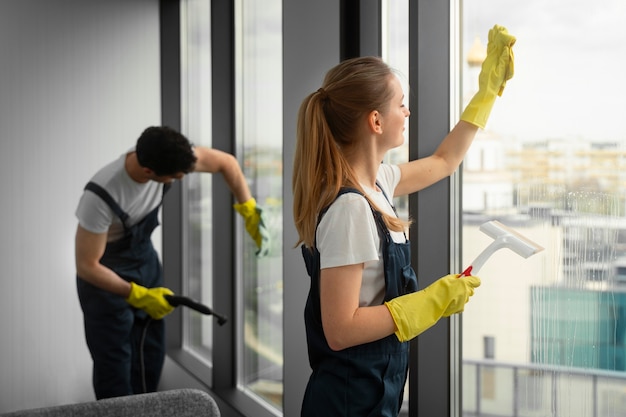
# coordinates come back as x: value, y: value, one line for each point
x: 150, y: 300
x: 255, y: 225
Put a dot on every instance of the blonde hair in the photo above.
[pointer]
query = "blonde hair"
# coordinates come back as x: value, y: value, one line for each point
x: 326, y: 129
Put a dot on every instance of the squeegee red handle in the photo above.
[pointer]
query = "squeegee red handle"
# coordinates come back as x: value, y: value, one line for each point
x: 467, y: 272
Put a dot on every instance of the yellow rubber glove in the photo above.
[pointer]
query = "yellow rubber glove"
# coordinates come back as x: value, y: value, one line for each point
x: 150, y: 300
x: 497, y: 68
x: 255, y: 225
x: 417, y: 312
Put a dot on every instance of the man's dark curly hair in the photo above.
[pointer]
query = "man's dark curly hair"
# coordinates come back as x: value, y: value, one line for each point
x: 165, y: 151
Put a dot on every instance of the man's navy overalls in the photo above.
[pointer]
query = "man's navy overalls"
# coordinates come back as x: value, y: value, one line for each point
x: 114, y: 330
x: 364, y: 380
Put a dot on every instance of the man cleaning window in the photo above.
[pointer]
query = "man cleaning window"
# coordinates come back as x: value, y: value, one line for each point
x: 119, y: 273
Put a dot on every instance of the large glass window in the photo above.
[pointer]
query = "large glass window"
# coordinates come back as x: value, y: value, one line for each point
x: 395, y: 52
x: 258, y: 147
x: 196, y: 125
x: 545, y: 336
x: 259, y: 124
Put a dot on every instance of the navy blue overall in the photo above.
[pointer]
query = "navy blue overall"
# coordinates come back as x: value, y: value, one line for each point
x: 364, y: 380
x: 114, y: 330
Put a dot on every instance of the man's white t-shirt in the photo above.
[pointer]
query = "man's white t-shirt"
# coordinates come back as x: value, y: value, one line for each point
x: 347, y: 234
x: 136, y: 199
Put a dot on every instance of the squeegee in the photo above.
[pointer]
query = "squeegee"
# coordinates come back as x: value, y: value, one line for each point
x: 504, y: 237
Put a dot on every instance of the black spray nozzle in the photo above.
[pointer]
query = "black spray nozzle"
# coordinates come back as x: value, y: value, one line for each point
x: 178, y: 300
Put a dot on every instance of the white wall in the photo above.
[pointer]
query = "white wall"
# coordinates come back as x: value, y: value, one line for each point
x: 79, y: 81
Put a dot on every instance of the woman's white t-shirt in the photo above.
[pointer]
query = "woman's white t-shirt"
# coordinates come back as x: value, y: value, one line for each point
x: 347, y: 234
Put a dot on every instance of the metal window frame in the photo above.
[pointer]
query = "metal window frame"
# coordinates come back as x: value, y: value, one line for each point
x: 431, y: 368
x: 316, y: 27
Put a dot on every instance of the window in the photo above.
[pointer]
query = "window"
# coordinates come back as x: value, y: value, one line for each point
x: 395, y: 52
x: 545, y: 335
x: 196, y: 125
x: 257, y: 140
x: 259, y: 144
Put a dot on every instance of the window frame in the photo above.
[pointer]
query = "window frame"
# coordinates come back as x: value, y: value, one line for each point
x: 315, y: 27
x: 434, y: 354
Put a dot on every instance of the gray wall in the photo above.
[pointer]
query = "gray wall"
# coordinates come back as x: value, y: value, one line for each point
x: 79, y: 80
x: 310, y: 50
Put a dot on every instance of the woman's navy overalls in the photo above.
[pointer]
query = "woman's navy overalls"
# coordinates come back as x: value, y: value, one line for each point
x: 114, y: 330
x: 364, y: 380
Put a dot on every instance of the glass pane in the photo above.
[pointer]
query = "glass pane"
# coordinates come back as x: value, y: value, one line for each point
x: 395, y: 52
x: 535, y: 388
x: 259, y: 147
x: 611, y: 397
x: 196, y: 125
x: 496, y: 384
x: 550, y: 328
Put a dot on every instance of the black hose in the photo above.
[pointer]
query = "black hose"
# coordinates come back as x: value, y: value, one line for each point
x: 178, y: 300
x: 142, y: 361
x: 175, y: 301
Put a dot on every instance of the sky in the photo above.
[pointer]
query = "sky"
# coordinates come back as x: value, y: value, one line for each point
x: 570, y: 57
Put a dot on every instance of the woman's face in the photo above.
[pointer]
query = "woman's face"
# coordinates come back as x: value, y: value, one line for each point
x: 394, y: 118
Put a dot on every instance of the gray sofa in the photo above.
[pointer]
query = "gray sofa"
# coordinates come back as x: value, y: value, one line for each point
x: 174, y: 403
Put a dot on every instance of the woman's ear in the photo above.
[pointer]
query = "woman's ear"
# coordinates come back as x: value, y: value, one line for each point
x: 374, y: 122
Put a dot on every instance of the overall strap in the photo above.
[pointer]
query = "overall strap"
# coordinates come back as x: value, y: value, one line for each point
x: 387, y: 198
x: 342, y: 191
x: 380, y: 224
x: 103, y: 194
x: 345, y: 190
x: 377, y: 215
